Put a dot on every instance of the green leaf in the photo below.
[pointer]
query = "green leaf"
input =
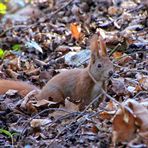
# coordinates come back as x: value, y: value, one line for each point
x: 3, y: 8
x: 3, y: 131
x: 2, y: 53
x: 16, y: 47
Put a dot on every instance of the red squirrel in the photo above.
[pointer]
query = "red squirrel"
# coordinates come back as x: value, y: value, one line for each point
x: 77, y: 84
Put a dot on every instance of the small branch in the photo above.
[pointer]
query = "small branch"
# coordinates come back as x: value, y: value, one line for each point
x: 82, y: 113
x: 139, y: 93
x: 132, y: 70
x: 58, y: 10
x: 110, y: 97
x: 43, y: 111
x: 17, y: 26
x: 123, y: 56
x: 115, y: 49
x: 88, y: 106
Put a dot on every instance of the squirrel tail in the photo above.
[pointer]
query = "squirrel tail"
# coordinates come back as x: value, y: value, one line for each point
x: 23, y: 88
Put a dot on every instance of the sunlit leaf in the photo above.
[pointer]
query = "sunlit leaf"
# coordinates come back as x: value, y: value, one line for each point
x: 2, y: 53
x: 2, y: 8
x: 7, y: 133
x: 75, y: 30
x: 16, y: 47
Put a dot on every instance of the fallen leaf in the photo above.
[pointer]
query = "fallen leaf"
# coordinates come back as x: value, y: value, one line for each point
x: 123, y: 129
x: 144, y: 82
x: 71, y: 106
x: 113, y: 10
x: 94, y: 129
x: 39, y: 122
x: 118, y: 86
x: 43, y: 102
x: 75, y: 30
x: 33, y: 44
x: 117, y: 55
x: 141, y: 113
x: 127, y: 124
x: 131, y: 89
x: 107, y: 115
x: 121, y: 58
x: 30, y: 108
x: 11, y: 92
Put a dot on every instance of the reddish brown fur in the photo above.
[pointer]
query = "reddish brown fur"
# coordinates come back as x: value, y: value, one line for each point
x: 76, y: 83
x: 22, y: 87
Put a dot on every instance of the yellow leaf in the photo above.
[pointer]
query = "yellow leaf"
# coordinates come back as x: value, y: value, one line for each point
x: 2, y: 8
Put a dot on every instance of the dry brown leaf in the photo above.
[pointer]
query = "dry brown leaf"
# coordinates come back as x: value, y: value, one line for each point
x: 14, y: 75
x: 110, y: 105
x: 43, y: 102
x: 141, y: 114
x: 125, y: 59
x: 118, y: 86
x: 30, y: 108
x: 71, y: 106
x: 14, y: 64
x: 117, y: 55
x: 138, y: 88
x: 144, y: 82
x: 39, y: 122
x: 94, y: 129
x: 125, y: 123
x: 63, y: 49
x: 75, y: 30
x: 107, y: 115
x: 112, y: 10
x: 27, y: 98
x: 123, y: 128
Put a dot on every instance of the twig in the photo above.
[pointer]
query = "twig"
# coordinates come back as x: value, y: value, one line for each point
x: 82, y: 113
x: 115, y: 49
x: 17, y: 26
x: 123, y: 56
x: 27, y: 26
x: 132, y: 70
x: 43, y: 111
x: 58, y: 10
x: 110, y: 97
x: 139, y: 93
x: 135, y: 70
x: 93, y: 101
x: 83, y: 121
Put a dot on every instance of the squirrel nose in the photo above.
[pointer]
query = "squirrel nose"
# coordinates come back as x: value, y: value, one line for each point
x: 110, y: 73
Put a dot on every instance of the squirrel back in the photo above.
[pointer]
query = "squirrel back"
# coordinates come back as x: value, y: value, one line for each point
x: 78, y: 84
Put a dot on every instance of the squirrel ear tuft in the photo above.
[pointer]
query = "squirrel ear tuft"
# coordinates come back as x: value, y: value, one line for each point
x: 94, y: 46
x: 102, y: 45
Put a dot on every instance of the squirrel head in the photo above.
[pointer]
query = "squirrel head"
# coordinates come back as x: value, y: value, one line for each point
x: 100, y: 66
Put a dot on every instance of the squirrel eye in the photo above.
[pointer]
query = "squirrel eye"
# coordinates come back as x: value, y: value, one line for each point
x: 99, y: 65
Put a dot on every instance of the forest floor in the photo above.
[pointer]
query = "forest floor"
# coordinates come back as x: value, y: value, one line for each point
x: 37, y: 41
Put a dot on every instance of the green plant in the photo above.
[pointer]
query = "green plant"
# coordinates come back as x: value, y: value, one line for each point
x: 8, y: 134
